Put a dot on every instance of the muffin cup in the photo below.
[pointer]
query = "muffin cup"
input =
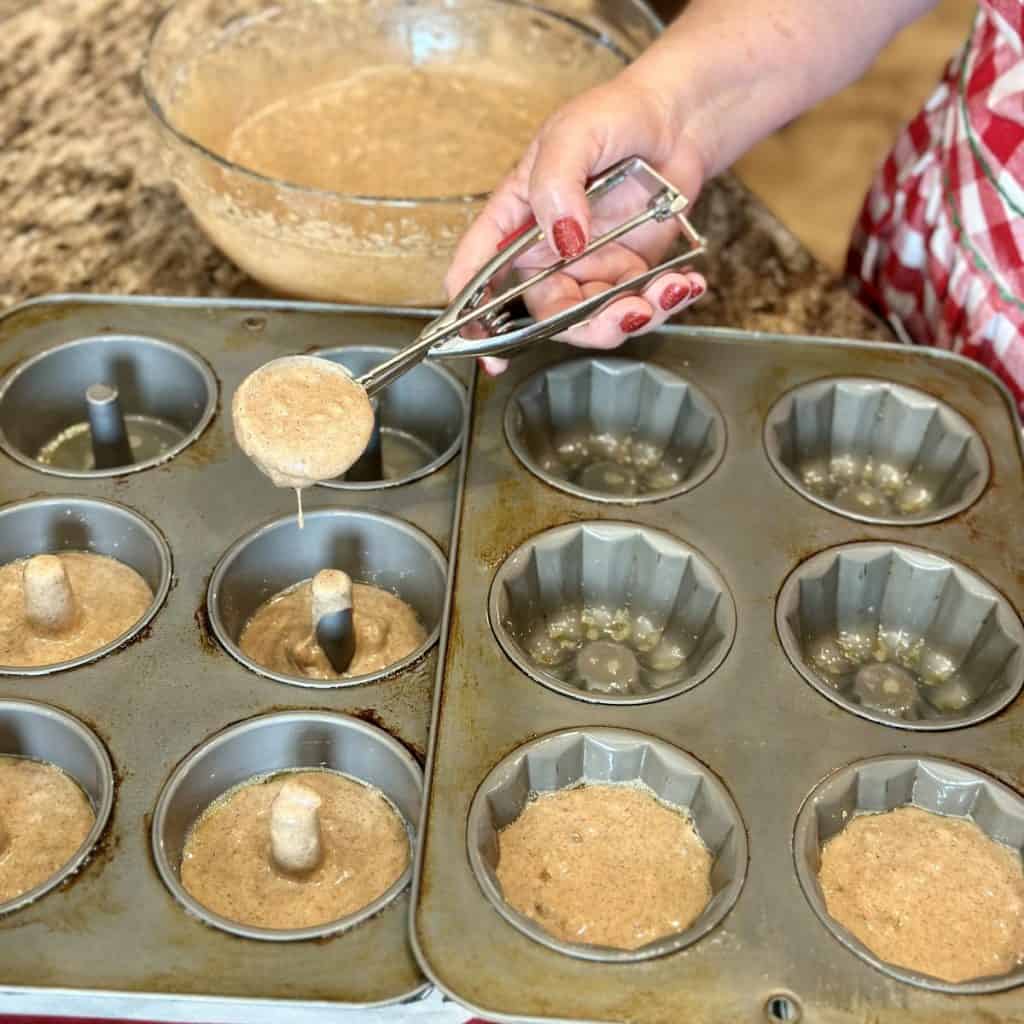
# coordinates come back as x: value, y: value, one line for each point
x: 614, y: 430
x: 370, y: 547
x: 882, y: 784
x: 573, y: 757
x: 926, y: 461
x: 163, y: 390
x: 953, y: 646
x: 422, y: 416
x: 42, y: 733
x: 53, y: 525
x: 268, y: 745
x: 688, y: 615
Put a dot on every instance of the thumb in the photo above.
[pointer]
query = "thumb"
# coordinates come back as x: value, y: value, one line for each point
x: 567, y: 153
x: 578, y: 142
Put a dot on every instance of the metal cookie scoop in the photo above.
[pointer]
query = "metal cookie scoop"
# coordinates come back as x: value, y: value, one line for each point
x: 442, y: 337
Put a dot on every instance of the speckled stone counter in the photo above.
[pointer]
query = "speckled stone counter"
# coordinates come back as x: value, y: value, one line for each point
x: 86, y: 207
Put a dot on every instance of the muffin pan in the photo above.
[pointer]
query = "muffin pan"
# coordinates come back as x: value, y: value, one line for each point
x: 118, y: 941
x: 373, y: 548
x: 739, y: 573
x: 875, y: 451
x: 901, y: 636
x: 944, y: 584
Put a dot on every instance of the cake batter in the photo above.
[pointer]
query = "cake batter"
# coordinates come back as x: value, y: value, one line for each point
x: 301, y: 420
x: 354, y: 135
x: 280, y: 635
x: 44, y: 819
x: 57, y: 607
x: 927, y: 892
x: 228, y: 862
x: 606, y: 865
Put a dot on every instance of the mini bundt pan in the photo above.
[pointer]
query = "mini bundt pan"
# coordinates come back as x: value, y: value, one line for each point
x: 882, y: 784
x: 901, y: 636
x: 614, y: 430
x: 688, y: 615
x: 876, y: 452
x: 574, y: 757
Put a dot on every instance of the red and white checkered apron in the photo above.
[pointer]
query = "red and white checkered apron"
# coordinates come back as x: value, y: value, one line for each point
x: 939, y: 245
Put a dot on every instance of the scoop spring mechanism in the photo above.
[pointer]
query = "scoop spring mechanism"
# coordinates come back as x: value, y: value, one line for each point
x: 442, y: 338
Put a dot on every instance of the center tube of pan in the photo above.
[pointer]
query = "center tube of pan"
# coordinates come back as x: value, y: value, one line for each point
x: 295, y: 829
x: 49, y: 600
x: 111, y: 448
x: 333, y: 623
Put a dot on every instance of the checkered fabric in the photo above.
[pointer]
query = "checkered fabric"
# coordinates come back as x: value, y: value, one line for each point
x: 939, y: 244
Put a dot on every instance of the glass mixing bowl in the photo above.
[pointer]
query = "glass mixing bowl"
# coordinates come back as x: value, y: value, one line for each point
x: 215, y: 65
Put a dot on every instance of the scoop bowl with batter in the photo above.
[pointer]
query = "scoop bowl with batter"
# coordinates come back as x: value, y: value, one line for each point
x: 301, y: 420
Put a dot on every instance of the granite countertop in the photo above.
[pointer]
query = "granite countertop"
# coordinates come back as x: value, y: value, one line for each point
x: 87, y: 209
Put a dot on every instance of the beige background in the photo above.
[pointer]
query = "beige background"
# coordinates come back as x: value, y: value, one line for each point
x: 814, y: 172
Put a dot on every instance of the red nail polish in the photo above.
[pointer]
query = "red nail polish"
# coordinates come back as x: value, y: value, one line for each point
x: 568, y: 237
x: 518, y: 233
x: 674, y: 294
x: 633, y: 322
x: 698, y: 290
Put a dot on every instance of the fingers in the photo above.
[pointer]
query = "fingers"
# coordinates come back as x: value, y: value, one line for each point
x: 635, y: 315
x: 567, y: 155
x: 629, y: 316
x: 673, y: 292
x: 493, y: 365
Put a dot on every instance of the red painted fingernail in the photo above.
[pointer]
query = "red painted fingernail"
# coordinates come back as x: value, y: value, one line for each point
x: 518, y: 233
x: 698, y: 290
x: 569, y: 238
x: 633, y: 322
x: 674, y: 294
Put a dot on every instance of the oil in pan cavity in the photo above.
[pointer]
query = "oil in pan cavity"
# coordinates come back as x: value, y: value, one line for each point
x: 876, y: 452
x: 52, y: 525
x: 268, y: 745
x: 901, y: 636
x: 105, y: 406
x: 42, y: 733
x: 573, y: 757
x: 612, y: 613
x: 370, y: 547
x: 880, y: 784
x: 615, y: 430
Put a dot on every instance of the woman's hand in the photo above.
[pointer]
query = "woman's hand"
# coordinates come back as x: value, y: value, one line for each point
x: 588, y: 135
